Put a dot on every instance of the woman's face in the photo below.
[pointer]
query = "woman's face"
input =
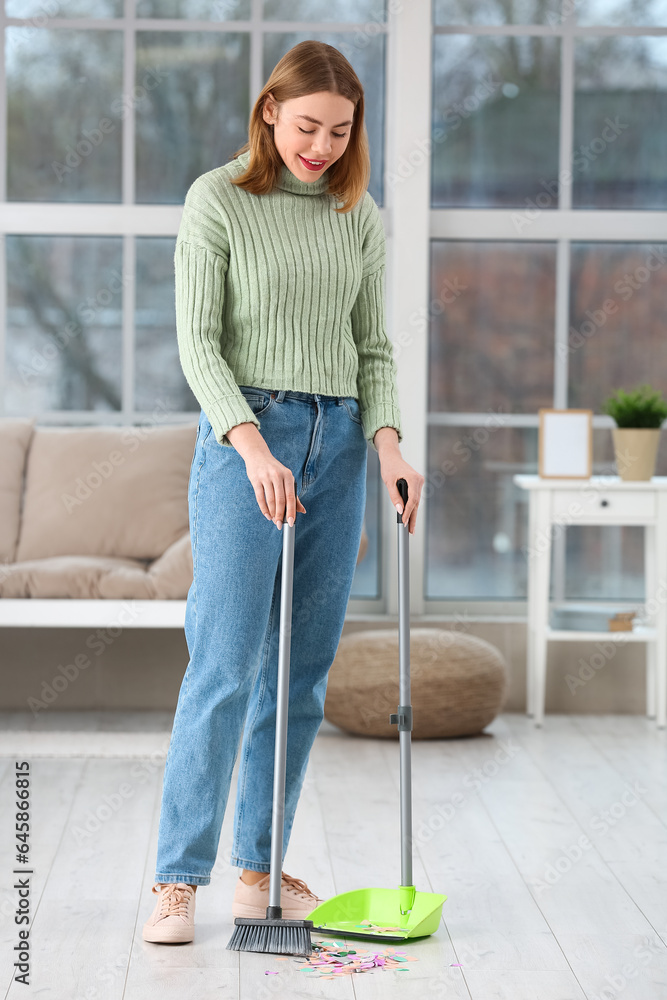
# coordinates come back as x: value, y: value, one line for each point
x: 299, y: 138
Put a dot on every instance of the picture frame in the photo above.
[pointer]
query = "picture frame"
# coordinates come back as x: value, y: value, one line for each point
x: 565, y: 444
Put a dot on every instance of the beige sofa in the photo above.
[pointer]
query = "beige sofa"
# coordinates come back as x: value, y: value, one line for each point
x: 94, y: 512
x: 94, y: 517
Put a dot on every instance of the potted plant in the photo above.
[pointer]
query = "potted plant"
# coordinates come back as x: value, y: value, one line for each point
x: 639, y: 415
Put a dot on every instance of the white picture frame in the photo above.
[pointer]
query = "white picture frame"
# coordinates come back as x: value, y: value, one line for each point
x: 565, y: 444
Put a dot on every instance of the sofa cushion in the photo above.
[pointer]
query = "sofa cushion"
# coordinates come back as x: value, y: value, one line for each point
x: 77, y: 576
x: 15, y: 434
x: 106, y: 491
x: 168, y: 577
x: 172, y: 572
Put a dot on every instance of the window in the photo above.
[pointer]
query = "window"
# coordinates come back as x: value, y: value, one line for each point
x: 519, y: 169
x: 547, y: 177
x: 113, y: 109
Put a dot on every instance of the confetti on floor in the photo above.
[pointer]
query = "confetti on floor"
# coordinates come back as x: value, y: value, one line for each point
x: 330, y: 960
x: 378, y: 929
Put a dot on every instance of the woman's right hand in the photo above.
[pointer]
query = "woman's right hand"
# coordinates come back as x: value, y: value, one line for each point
x: 272, y: 481
x: 273, y: 484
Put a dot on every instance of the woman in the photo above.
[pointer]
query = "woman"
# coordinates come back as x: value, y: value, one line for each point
x: 279, y: 278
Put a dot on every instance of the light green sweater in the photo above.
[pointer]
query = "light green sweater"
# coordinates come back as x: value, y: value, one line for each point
x: 280, y: 291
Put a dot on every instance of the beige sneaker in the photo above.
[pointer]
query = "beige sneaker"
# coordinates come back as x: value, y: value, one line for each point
x: 173, y: 919
x: 296, y: 899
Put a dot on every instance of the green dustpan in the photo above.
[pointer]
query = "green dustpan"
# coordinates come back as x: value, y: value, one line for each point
x: 377, y: 913
x: 390, y: 914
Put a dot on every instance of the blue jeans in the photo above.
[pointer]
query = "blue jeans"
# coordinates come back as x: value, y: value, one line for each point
x: 232, y: 623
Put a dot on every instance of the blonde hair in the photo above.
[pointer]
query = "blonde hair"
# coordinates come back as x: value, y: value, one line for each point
x: 308, y: 68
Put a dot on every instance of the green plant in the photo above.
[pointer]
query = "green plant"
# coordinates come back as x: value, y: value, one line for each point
x: 641, y: 407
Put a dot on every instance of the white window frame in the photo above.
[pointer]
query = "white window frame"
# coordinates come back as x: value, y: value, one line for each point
x: 413, y: 224
x: 410, y: 225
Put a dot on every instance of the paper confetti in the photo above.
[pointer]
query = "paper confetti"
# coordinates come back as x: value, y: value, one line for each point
x: 331, y: 960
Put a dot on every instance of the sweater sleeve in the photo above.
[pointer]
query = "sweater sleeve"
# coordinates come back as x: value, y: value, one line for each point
x: 201, y: 258
x: 376, y: 379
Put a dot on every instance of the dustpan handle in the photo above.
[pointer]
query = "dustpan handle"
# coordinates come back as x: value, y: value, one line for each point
x: 403, y: 718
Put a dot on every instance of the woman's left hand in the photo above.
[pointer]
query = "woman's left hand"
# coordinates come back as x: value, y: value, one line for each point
x: 394, y: 467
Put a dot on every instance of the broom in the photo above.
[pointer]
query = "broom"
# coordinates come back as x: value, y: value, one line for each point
x: 274, y: 935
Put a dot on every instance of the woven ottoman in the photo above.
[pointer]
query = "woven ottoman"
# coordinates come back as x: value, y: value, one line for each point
x: 458, y: 682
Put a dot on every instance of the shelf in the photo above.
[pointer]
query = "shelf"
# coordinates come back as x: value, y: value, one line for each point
x: 533, y: 482
x: 579, y: 635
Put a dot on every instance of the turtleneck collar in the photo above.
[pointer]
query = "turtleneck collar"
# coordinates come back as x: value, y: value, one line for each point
x: 288, y: 181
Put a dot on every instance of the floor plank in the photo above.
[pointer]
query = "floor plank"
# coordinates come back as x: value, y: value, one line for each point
x: 497, y: 819
x: 52, y: 790
x: 495, y: 923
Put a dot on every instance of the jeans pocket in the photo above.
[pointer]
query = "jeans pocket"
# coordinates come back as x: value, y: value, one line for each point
x: 259, y: 400
x: 351, y: 404
x: 194, y: 448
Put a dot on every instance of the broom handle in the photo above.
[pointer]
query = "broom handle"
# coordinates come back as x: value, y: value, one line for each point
x: 282, y: 702
x: 404, y: 734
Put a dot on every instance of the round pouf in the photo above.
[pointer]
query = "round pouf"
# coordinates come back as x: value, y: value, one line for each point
x: 458, y: 683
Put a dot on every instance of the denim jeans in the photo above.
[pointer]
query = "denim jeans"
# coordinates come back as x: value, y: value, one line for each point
x: 232, y: 620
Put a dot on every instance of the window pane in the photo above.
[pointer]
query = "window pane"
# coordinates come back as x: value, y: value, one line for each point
x: 491, y: 341
x: 620, y: 110
x: 476, y: 517
x: 195, y: 115
x: 633, y: 12
x: 618, y: 317
x: 64, y: 304
x: 477, y: 521
x: 203, y: 10
x: 159, y: 378
x: 366, y: 582
x: 368, y: 61
x: 495, y: 119
x: 64, y: 125
x: 494, y: 12
x: 41, y: 11
x: 326, y: 10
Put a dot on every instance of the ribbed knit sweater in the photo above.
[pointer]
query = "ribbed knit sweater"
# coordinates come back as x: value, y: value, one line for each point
x: 280, y: 291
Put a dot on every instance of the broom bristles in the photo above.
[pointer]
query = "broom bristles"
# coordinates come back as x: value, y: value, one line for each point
x: 275, y: 937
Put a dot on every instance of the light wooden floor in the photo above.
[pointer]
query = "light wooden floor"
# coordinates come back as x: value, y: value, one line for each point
x: 550, y: 844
